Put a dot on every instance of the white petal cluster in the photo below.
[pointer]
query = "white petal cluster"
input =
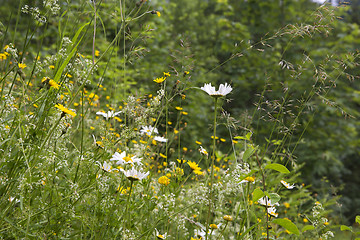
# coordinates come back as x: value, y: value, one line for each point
x: 265, y: 201
x: 203, y: 151
x: 272, y: 211
x: 160, y: 139
x: 134, y: 175
x: 109, y: 114
x: 160, y: 236
x: 148, y: 130
x: 122, y: 159
x: 288, y: 186
x: 224, y: 89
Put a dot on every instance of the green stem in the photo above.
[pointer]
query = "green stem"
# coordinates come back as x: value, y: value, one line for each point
x: 212, y: 170
x: 127, y: 206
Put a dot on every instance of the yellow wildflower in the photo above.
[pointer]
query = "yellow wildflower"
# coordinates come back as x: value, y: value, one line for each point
x: 159, y: 80
x: 65, y: 110
x: 228, y: 218
x: 164, y: 180
x: 22, y: 65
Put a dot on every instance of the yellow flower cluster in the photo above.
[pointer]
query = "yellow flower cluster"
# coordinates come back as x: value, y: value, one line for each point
x: 164, y: 180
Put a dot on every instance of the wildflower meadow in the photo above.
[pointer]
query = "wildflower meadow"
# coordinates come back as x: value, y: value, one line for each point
x: 186, y: 120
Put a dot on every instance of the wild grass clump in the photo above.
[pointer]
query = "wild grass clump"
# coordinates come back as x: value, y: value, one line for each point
x: 86, y: 153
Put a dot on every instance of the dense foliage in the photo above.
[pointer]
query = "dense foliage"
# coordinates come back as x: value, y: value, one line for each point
x: 87, y: 90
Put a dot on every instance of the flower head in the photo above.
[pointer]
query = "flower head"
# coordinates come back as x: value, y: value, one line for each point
x: 228, y: 218
x: 148, y: 130
x: 159, y: 80
x: 164, y: 180
x: 194, y: 166
x: 272, y: 211
x: 109, y: 114
x: 267, y: 201
x: 105, y: 166
x: 160, y: 236
x: 203, y: 151
x: 65, y: 110
x: 160, y: 139
x: 248, y: 179
x: 122, y: 158
x: 134, y: 175
x: 22, y: 65
x: 223, y: 90
x: 50, y: 82
x: 288, y: 186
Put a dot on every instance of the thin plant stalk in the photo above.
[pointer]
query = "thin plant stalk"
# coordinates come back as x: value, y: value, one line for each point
x: 212, y: 169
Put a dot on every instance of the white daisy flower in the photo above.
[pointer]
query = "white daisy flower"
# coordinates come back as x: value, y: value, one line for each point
x: 109, y: 114
x: 267, y: 200
x: 272, y: 211
x: 160, y: 236
x: 122, y: 159
x: 288, y: 186
x: 224, y: 89
x: 203, y: 151
x: 148, y: 130
x: 134, y: 175
x: 160, y: 139
x: 105, y: 166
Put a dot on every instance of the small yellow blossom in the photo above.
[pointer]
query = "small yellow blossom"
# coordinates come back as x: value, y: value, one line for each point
x: 228, y: 218
x: 97, y: 53
x: 164, y: 180
x: 51, y: 66
x: 162, y: 155
x: 2, y: 56
x: 179, y: 108
x: 213, y: 226
x: 159, y: 80
x: 158, y: 13
x: 65, y: 110
x: 184, y: 113
x: 22, y: 65
x: 166, y: 74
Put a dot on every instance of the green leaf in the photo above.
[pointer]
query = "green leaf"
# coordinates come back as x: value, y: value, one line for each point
x: 357, y: 219
x: 247, y: 137
x: 248, y: 152
x: 277, y: 167
x: 345, y: 228
x: 71, y: 54
x: 307, y: 228
x: 288, y: 225
x: 274, y: 197
x: 257, y: 194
